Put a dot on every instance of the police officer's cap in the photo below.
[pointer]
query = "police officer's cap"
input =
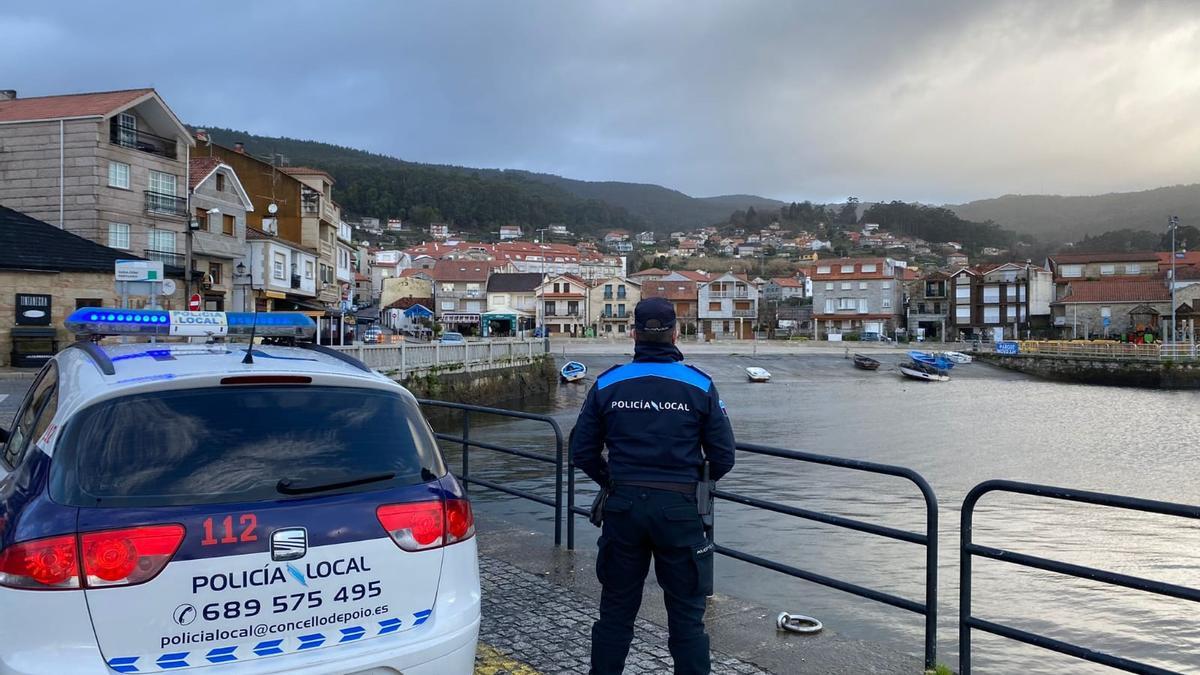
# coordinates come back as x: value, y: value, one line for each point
x: 654, y: 315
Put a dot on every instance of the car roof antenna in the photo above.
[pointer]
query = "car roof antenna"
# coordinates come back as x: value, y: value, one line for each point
x: 248, y: 359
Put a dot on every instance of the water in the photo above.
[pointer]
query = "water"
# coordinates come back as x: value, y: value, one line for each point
x: 985, y: 423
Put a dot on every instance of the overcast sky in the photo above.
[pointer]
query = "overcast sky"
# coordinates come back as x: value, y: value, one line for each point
x: 931, y: 101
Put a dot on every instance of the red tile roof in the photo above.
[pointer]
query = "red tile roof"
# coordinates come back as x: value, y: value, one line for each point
x: 305, y: 171
x: 460, y: 270
x: 1184, y: 258
x: 671, y: 290
x: 653, y: 271
x: 96, y: 104
x: 835, y: 269
x: 1123, y: 290
x: 199, y: 168
x: 788, y: 282
x: 694, y: 276
x: 1082, y: 258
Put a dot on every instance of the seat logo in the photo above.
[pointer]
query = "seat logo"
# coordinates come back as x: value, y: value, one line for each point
x: 289, y: 543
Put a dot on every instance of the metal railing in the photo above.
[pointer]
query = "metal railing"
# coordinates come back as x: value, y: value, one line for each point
x: 162, y: 203
x: 1111, y: 350
x: 557, y: 460
x: 928, y: 539
x: 169, y: 258
x: 127, y: 137
x: 404, y: 357
x: 969, y: 550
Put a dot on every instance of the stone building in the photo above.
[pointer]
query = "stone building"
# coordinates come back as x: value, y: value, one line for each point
x: 857, y: 295
x: 610, y: 306
x: 1108, y: 308
x: 219, y: 207
x: 62, y: 272
x: 111, y: 167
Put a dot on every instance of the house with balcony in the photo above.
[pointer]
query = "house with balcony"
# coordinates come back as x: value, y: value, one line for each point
x: 1067, y: 268
x: 562, y: 305
x: 111, y: 167
x: 682, y: 294
x: 610, y: 305
x: 782, y: 289
x: 857, y: 295
x: 320, y: 218
x: 1001, y: 302
x: 219, y: 207
x: 727, y: 307
x: 460, y: 294
x: 512, y: 304
x: 280, y: 275
x: 927, y: 306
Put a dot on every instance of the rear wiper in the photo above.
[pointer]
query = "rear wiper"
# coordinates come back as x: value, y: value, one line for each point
x: 288, y: 487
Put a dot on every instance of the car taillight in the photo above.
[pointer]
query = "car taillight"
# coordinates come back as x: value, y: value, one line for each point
x: 460, y: 522
x: 129, y: 556
x: 41, y: 564
x: 424, y: 525
x: 110, y: 558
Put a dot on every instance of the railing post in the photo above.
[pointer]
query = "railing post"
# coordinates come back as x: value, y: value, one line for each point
x: 489, y: 358
x: 402, y: 360
x: 964, y: 586
x: 558, y: 494
x: 437, y: 353
x: 466, y: 448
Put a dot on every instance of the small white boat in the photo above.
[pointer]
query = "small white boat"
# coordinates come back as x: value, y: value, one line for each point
x: 957, y: 357
x: 573, y: 371
x: 926, y: 374
x: 758, y: 374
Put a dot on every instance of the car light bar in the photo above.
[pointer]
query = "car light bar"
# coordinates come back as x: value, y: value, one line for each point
x: 109, y: 321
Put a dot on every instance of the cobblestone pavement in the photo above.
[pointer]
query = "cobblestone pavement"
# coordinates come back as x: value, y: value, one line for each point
x: 535, y: 622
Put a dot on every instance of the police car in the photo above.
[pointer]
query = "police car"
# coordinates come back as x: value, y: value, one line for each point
x: 222, y: 508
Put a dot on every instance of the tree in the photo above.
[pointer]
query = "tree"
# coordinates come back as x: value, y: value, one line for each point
x: 1186, y: 237
x: 848, y: 215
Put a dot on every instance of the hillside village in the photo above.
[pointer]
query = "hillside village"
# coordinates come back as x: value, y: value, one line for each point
x: 115, y: 175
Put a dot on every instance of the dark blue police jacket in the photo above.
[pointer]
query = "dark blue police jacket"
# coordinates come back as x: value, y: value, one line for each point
x: 659, y: 418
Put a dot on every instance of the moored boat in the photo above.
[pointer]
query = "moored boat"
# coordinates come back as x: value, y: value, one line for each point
x: 928, y: 359
x: 923, y: 371
x: 865, y: 362
x: 758, y: 374
x: 957, y: 357
x: 573, y: 371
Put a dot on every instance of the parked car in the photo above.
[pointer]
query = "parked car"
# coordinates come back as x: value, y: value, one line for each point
x: 196, y: 508
x: 452, y: 338
x: 373, y: 335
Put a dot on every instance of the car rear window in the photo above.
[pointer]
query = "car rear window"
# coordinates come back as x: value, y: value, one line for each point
x: 235, y: 444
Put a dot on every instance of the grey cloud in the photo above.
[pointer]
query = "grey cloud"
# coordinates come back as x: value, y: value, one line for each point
x: 937, y: 101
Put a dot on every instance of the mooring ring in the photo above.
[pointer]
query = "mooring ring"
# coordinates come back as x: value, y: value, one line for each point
x: 798, y: 623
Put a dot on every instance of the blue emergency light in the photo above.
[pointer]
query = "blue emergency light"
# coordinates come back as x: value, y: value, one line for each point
x: 108, y: 321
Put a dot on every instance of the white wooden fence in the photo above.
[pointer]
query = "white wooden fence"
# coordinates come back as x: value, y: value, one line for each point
x: 404, y: 358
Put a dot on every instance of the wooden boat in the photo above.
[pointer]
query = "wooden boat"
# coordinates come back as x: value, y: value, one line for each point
x: 925, y: 358
x: 865, y: 362
x: 573, y: 371
x: 957, y: 357
x: 758, y: 374
x: 924, y: 372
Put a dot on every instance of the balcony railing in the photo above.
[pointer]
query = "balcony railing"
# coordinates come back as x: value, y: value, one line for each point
x: 169, y: 258
x: 616, y: 316
x: 744, y: 313
x: 140, y: 140
x: 729, y: 294
x: 164, y: 204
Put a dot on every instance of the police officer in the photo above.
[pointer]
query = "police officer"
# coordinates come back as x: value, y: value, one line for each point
x: 661, y: 421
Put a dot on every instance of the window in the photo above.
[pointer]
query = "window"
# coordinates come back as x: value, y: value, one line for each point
x: 1108, y: 270
x: 1133, y: 268
x: 621, y: 291
x: 848, y: 269
x: 308, y: 269
x: 1073, y: 271
x: 962, y: 314
x: 202, y: 218
x: 829, y: 285
x: 33, y: 417
x: 550, y: 308
x: 991, y: 315
x: 118, y: 175
x: 1021, y: 293
x: 920, y: 308
x: 572, y: 308
x: 278, y: 265
x: 183, y: 458
x: 449, y: 306
x: 869, y: 267
x: 447, y: 288
x: 991, y: 294
x: 862, y: 285
x: 162, y: 240
x: 1011, y: 312
x: 228, y: 223
x: 80, y: 303
x: 937, y: 308
x: 829, y: 305
x: 714, y: 306
x: 886, y: 303
x: 846, y: 285
x: 1010, y: 292
x: 621, y: 310
x: 162, y: 183
x: 220, y: 182
x: 862, y: 305
x: 887, y: 285
x: 823, y: 269
x: 214, y: 271
x: 127, y: 128
x: 118, y: 235
x: 962, y: 292
x: 847, y: 304
x: 608, y: 309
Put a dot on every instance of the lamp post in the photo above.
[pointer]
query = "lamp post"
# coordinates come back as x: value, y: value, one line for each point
x: 1173, y: 224
x: 239, y: 272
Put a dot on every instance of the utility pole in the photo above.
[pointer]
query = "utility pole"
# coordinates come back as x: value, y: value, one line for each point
x: 1173, y: 224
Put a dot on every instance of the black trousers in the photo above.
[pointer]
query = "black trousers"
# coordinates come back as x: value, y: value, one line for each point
x: 640, y: 523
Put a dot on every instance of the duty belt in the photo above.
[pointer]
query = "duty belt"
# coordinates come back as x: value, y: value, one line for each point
x: 683, y: 488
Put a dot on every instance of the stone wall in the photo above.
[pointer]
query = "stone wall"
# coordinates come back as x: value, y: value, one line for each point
x: 65, y: 288
x: 1114, y: 372
x: 498, y: 387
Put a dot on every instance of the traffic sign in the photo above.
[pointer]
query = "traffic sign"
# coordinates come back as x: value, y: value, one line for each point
x: 194, y: 302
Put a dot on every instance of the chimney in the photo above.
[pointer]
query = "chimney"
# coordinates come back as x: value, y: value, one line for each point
x: 202, y: 135
x: 8, y: 94
x: 239, y: 147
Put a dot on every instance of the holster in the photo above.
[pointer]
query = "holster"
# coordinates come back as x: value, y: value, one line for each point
x: 596, y: 516
x: 705, y: 499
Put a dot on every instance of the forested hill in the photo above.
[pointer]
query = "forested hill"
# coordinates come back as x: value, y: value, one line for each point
x: 1051, y: 217
x: 478, y: 201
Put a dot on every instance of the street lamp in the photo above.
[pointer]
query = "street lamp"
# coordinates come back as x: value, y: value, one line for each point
x: 239, y: 272
x: 1173, y: 225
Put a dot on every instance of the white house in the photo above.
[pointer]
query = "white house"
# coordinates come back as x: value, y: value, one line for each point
x: 727, y: 307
